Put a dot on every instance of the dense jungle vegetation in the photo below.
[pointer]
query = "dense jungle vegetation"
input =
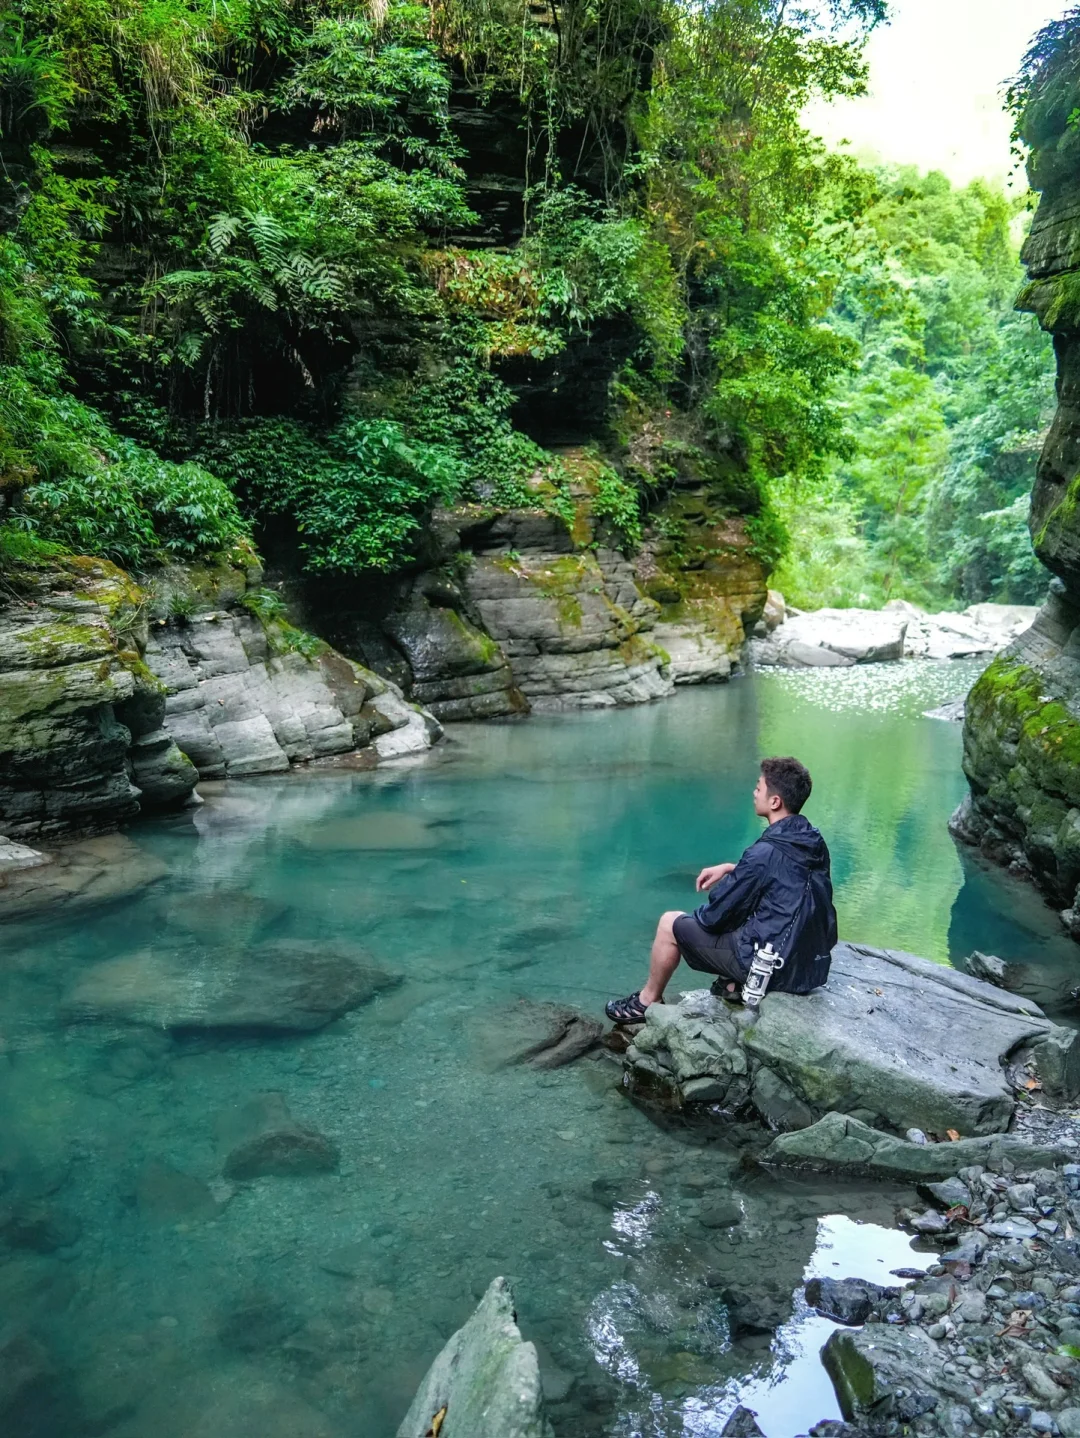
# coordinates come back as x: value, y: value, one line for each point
x: 305, y: 268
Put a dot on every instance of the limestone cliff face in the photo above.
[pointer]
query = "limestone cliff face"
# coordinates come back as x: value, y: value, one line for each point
x: 1022, y: 731
x: 115, y: 699
x: 82, y: 744
x: 522, y: 611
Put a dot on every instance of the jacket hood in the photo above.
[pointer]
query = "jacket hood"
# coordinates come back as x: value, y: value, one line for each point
x: 799, y: 840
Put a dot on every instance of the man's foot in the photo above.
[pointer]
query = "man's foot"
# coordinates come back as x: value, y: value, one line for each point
x: 725, y: 989
x: 627, y: 1011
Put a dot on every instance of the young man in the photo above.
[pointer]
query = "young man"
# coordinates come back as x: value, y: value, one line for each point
x: 780, y: 891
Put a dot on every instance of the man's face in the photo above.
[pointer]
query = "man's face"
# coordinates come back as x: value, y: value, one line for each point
x: 764, y: 802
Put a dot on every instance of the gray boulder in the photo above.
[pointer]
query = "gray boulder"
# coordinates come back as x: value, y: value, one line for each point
x: 545, y: 1036
x: 832, y: 637
x: 884, y: 1372
x: 238, y: 704
x: 485, y: 1382
x: 844, y: 1300
x: 891, y: 1035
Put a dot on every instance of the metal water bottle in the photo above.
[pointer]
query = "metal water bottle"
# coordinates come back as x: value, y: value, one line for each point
x: 765, y: 963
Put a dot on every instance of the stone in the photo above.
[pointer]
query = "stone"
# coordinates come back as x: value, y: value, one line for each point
x: 262, y: 1139
x: 742, y: 1424
x: 1046, y: 983
x: 80, y: 875
x: 458, y: 671
x: 720, y: 1213
x: 236, y: 708
x: 167, y: 1195
x: 1068, y: 1421
x: 30, y: 1398
x: 949, y: 1193
x: 834, y: 637
x: 485, y: 1382
x: 887, y: 1372
x: 1018, y: 1228
x: 844, y: 1300
x: 1041, y: 1384
x: 545, y: 1036
x: 840, y: 1144
x: 970, y: 1307
x: 778, y: 1104
x: 913, y: 1043
x: 287, y: 986
x: 572, y: 624
x: 18, y: 856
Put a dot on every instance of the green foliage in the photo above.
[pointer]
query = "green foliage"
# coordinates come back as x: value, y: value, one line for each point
x: 357, y: 496
x: 616, y: 500
x: 945, y: 412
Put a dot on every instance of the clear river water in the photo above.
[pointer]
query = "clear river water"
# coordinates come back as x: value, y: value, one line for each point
x: 144, y: 1295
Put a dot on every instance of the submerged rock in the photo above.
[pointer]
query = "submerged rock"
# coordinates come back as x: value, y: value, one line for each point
x: 906, y: 1041
x: 263, y: 1140
x: 545, y: 1036
x: 288, y: 986
x: 486, y: 1381
x: 79, y: 875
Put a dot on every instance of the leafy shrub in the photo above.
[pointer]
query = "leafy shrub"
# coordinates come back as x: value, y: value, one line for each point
x: 357, y: 495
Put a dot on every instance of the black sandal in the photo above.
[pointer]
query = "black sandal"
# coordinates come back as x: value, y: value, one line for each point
x: 720, y: 990
x: 627, y: 1011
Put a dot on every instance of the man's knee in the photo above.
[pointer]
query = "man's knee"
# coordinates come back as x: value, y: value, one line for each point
x: 666, y: 927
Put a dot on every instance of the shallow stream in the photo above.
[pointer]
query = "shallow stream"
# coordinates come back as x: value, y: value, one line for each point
x: 159, y: 1300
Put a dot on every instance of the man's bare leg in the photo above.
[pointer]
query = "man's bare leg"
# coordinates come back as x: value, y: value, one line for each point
x: 663, y: 960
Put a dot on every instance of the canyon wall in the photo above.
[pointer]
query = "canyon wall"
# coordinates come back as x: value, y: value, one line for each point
x: 1022, y: 730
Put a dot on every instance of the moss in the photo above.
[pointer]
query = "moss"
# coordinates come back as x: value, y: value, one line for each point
x: 1061, y: 519
x: 485, y: 647
x: 569, y: 609
x: 1008, y: 705
x: 285, y: 638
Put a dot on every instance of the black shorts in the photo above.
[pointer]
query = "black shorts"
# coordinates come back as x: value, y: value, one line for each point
x: 708, y: 953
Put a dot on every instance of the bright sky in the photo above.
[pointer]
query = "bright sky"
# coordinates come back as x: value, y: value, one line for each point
x: 935, y: 86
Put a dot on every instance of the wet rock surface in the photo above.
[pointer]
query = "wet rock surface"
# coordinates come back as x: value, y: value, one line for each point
x: 486, y: 1381
x: 987, y: 1340
x: 79, y: 875
x: 261, y: 1139
x: 891, y: 1038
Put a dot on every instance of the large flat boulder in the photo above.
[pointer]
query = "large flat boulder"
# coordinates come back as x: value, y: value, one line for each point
x: 486, y: 1381
x: 892, y: 1038
x: 823, y: 637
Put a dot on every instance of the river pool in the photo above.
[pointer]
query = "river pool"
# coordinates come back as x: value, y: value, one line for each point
x: 143, y: 1295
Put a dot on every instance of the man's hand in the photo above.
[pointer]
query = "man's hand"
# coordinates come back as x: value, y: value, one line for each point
x: 712, y: 875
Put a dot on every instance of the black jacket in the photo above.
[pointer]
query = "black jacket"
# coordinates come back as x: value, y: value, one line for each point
x: 781, y: 892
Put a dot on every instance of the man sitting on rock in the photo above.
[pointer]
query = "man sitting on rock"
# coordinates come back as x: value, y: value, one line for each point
x: 780, y: 892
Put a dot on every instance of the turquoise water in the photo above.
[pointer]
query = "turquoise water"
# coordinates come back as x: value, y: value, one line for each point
x: 149, y: 1294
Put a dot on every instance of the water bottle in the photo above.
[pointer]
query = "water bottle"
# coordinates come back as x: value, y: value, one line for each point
x: 765, y: 963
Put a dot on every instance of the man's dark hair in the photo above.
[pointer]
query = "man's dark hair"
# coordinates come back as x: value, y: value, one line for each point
x: 788, y: 779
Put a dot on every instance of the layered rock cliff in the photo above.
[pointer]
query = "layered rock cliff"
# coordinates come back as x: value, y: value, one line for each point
x: 1022, y: 731
x: 116, y: 698
x: 523, y: 611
